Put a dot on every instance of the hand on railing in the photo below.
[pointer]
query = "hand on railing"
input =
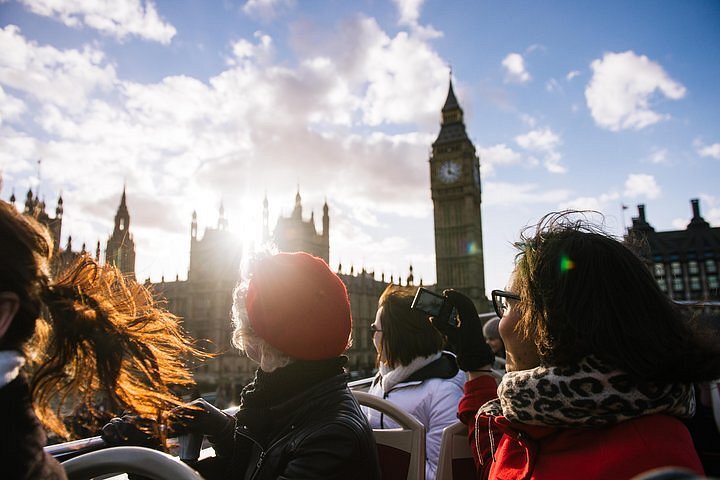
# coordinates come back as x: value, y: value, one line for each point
x: 132, y: 430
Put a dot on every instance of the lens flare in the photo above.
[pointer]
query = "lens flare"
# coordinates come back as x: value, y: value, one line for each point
x: 566, y: 264
x: 473, y: 248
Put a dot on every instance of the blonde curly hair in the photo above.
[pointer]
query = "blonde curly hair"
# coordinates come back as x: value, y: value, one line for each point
x: 245, y: 339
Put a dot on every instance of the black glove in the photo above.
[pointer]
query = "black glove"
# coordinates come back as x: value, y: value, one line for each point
x: 199, y: 416
x: 466, y: 338
x: 132, y: 430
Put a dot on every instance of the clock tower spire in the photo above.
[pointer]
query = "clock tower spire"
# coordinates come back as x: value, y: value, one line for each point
x: 456, y: 195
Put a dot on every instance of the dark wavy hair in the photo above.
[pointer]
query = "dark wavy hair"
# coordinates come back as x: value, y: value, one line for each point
x: 585, y: 293
x: 90, y: 333
x: 406, y: 333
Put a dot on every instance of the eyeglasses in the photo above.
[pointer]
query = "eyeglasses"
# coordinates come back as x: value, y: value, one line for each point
x: 374, y: 329
x: 499, y: 298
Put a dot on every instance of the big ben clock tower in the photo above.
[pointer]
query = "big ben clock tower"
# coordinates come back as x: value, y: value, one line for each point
x: 456, y: 195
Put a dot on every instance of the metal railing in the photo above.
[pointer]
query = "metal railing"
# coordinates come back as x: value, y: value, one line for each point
x: 67, y: 450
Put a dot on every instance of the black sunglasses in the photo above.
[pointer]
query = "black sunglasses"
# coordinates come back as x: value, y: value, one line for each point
x: 374, y: 329
x: 499, y: 299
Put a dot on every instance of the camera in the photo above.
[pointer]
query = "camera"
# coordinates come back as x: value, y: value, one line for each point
x: 435, y: 305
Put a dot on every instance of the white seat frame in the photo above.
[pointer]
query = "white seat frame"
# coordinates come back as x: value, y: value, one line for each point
x: 140, y: 460
x: 454, y: 444
x: 715, y: 397
x: 410, y: 437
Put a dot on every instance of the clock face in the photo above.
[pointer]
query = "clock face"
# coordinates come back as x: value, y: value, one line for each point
x: 449, y: 171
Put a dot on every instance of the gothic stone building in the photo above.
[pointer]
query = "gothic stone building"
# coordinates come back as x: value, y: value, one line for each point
x: 204, y: 300
x: 62, y: 255
x: 684, y: 262
x: 120, y: 250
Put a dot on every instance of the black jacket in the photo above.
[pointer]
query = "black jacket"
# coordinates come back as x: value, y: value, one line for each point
x: 22, y: 438
x: 318, y: 434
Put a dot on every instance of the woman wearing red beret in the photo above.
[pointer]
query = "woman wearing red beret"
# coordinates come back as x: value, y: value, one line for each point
x: 297, y: 418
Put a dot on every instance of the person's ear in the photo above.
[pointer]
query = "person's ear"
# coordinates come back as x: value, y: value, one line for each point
x: 9, y: 305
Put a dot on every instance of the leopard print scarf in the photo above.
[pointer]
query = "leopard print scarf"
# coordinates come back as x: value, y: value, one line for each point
x: 586, y: 395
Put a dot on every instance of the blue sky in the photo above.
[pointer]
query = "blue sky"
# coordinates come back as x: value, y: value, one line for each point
x: 571, y: 104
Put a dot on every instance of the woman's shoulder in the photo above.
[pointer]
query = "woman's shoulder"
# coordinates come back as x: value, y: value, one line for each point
x: 649, y: 439
x: 621, y: 450
x: 656, y: 429
x: 455, y: 382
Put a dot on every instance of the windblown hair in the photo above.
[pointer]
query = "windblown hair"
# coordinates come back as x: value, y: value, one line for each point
x: 406, y: 333
x: 585, y: 293
x: 245, y: 339
x: 91, y: 333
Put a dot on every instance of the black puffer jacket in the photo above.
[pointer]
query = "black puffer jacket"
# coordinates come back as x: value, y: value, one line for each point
x: 318, y: 434
x: 22, y: 438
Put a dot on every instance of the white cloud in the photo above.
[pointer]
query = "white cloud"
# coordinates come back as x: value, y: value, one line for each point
x: 10, y: 107
x: 183, y: 143
x: 543, y: 139
x: 709, y: 151
x: 641, y: 185
x: 572, y: 75
x: 621, y: 88
x: 384, y: 79
x: 528, y: 120
x: 546, y: 142
x: 14, y: 148
x: 508, y: 194
x: 552, y: 85
x: 61, y: 77
x: 261, y: 52
x: 659, y: 156
x: 409, y: 11
x: 679, y: 223
x: 409, y: 14
x: 497, y: 155
x: 117, y: 18
x: 266, y: 10
x: 535, y: 47
x: 552, y: 163
x: 400, y: 62
x: 515, y: 72
x: 600, y: 203
x: 710, y: 209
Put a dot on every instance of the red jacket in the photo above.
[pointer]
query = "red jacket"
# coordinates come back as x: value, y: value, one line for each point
x: 615, y: 452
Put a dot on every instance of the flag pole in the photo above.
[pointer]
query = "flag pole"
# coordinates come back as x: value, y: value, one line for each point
x: 623, y: 207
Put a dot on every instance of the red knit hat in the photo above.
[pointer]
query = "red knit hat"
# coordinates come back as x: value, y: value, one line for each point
x: 299, y: 306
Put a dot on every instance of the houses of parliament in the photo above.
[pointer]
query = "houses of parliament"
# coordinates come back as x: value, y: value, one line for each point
x: 204, y: 299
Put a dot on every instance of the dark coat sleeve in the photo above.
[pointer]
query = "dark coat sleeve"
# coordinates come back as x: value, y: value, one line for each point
x: 22, y: 438
x: 334, y: 451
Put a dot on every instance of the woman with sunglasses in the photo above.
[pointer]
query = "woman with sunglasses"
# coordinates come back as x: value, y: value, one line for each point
x: 600, y: 364
x: 414, y: 372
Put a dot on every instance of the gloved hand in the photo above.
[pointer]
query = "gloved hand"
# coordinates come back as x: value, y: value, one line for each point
x: 467, y: 338
x: 200, y: 416
x: 132, y: 430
